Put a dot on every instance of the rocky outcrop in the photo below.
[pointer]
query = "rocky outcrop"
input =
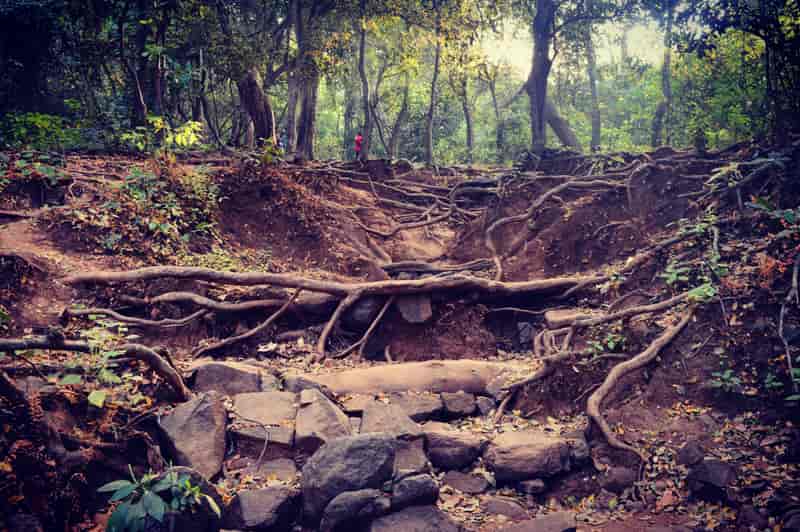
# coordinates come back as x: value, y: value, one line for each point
x: 345, y: 464
x: 194, y: 433
x: 268, y: 509
x: 414, y: 490
x: 522, y: 455
x: 388, y: 418
x: 353, y: 509
x: 265, y: 414
x: 415, y: 519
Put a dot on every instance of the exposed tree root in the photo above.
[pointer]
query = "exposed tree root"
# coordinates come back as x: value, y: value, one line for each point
x: 791, y: 295
x: 595, y: 400
x: 344, y: 304
x: 362, y: 342
x: 252, y: 332
x: 159, y: 364
x: 168, y: 322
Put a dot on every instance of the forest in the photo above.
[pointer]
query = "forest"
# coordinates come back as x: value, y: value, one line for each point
x: 400, y: 266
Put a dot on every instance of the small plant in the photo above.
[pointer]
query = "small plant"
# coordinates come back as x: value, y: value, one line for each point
x: 771, y: 382
x: 611, y: 343
x: 726, y: 380
x: 675, y: 273
x: 158, y: 134
x: 38, y: 131
x: 145, y: 497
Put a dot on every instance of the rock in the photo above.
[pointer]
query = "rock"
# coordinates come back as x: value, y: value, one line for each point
x: 363, y: 312
x: 524, y: 332
x: 710, y: 479
x: 514, y: 456
x: 275, y: 410
x: 553, y: 522
x: 415, y: 308
x: 414, y: 490
x: 389, y: 418
x: 298, y: 383
x: 410, y: 457
x: 748, y: 516
x: 466, y: 483
x: 274, y: 509
x: 451, y: 449
x: 458, y: 404
x: 354, y: 404
x: 345, y: 464
x: 283, y: 469
x: 534, y: 486
x: 418, y: 406
x: 415, y: 519
x: 231, y: 378
x: 318, y: 421
x: 350, y: 509
x: 691, y: 453
x: 195, y: 433
x: 616, y: 479
x: 485, y: 405
x: 504, y: 506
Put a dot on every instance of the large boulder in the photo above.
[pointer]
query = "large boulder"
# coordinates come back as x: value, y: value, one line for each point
x: 414, y: 490
x: 263, y: 415
x: 522, y: 455
x: 451, y: 449
x: 458, y: 404
x: 553, y: 522
x: 345, y: 464
x: 231, y: 378
x: 418, y: 406
x: 416, y: 519
x: 353, y: 509
x: 267, y: 509
x: 318, y: 421
x: 710, y: 480
x: 194, y: 433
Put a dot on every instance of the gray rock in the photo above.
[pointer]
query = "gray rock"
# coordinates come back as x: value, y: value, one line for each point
x: 534, y: 486
x: 283, y: 469
x: 524, y: 332
x: 415, y: 308
x: 195, y: 433
x: 466, y: 483
x: 485, y: 405
x: 389, y: 418
x: 553, y: 522
x: 504, y: 506
x: 350, y: 509
x: 418, y: 406
x: 458, y: 404
x: 354, y: 404
x: 451, y: 449
x: 414, y: 490
x: 578, y: 447
x: 274, y: 410
x: 415, y: 519
x: 710, y: 479
x: 297, y: 383
x: 318, y: 421
x: 363, y: 312
x: 410, y: 458
x: 748, y: 516
x: 345, y: 464
x: 616, y: 479
x: 231, y: 378
x: 514, y: 456
x: 273, y: 509
x: 691, y: 453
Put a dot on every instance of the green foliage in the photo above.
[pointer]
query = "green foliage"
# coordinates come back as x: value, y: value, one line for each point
x: 35, y: 165
x: 152, y: 496
x: 612, y: 342
x: 726, y: 380
x: 159, y: 135
x: 675, y: 274
x: 37, y: 131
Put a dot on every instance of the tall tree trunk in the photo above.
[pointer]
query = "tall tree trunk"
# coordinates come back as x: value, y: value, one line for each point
x: 467, y: 119
x: 308, y: 116
x: 536, y: 86
x: 293, y: 89
x: 434, y: 80
x: 362, y: 72
x: 500, y: 126
x: 591, y: 71
x: 661, y: 118
x: 402, y: 117
x: 560, y: 126
x: 256, y: 102
x: 349, y: 117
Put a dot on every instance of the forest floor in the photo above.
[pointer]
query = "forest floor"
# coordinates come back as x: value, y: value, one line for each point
x: 639, y: 302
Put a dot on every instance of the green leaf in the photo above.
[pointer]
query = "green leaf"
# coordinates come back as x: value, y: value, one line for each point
x: 122, y: 493
x: 114, y: 486
x: 213, y: 505
x: 97, y: 398
x: 795, y: 397
x: 136, y: 513
x: 118, y: 519
x: 108, y: 377
x: 70, y: 379
x: 154, y: 505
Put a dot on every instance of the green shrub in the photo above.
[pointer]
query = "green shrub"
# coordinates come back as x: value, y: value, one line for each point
x: 38, y: 131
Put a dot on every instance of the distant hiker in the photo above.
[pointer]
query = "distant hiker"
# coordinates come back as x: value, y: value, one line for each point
x: 359, y: 140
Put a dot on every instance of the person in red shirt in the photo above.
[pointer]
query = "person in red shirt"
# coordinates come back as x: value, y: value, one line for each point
x: 359, y: 140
